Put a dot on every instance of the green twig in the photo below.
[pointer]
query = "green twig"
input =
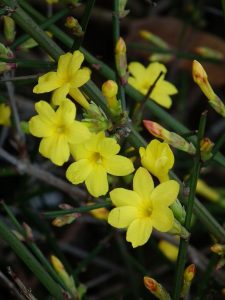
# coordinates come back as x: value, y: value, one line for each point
x: 30, y: 261
x: 44, y: 25
x: 223, y: 8
x: 190, y: 204
x: 82, y: 209
x: 36, y: 251
x: 116, y: 36
x: 84, y: 23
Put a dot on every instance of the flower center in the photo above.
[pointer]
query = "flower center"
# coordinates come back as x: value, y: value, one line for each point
x: 145, y: 212
x: 97, y: 158
x: 61, y: 129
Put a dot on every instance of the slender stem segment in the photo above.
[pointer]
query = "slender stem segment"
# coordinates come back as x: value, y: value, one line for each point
x: 190, y: 204
x: 116, y: 36
x: 30, y: 261
x: 84, y: 23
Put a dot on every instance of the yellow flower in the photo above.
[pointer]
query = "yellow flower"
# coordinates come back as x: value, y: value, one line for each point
x: 169, y: 250
x: 94, y: 159
x: 158, y: 159
x: 143, y: 78
x: 144, y: 208
x: 5, y: 113
x: 66, y: 80
x: 58, y: 130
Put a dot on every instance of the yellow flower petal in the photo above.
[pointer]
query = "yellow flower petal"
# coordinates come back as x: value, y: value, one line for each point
x: 79, y: 151
x: 153, y: 70
x: 143, y: 183
x: 46, y: 112
x: 162, y: 99
x: 80, y: 78
x: 64, y: 65
x: 118, y: 165
x: 76, y: 62
x: 78, y: 133
x: 139, y: 231
x: 137, y: 70
x: 60, y: 94
x: 55, y: 148
x: 78, y: 171
x: 79, y: 97
x: 167, y: 88
x: 165, y: 193
x: 123, y: 197
x: 96, y: 182
x: 121, y: 217
x: 47, y: 83
x: 66, y: 112
x: 108, y: 147
x: 162, y: 218
x: 39, y: 128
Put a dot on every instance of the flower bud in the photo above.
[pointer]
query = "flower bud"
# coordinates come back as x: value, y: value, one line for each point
x: 206, y: 191
x: 109, y: 91
x: 154, y: 39
x: 218, y: 249
x: 169, y: 137
x: 121, y: 60
x: 5, y: 52
x: 169, y: 250
x: 99, y: 213
x: 73, y: 24
x: 95, y: 119
x: 200, y: 77
x: 65, y: 277
x: 65, y: 220
x: 189, y: 274
x: 5, y: 113
x: 122, y: 12
x: 178, y: 211
x: 209, y: 52
x: 179, y: 230
x: 156, y: 288
x: 9, y: 29
x: 206, y: 146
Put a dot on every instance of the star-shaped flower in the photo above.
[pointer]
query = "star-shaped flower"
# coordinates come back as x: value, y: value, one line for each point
x: 144, y: 208
x: 66, y: 80
x: 94, y: 159
x: 143, y: 78
x: 58, y: 130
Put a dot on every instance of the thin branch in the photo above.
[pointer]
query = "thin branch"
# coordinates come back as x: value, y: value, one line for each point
x: 29, y: 169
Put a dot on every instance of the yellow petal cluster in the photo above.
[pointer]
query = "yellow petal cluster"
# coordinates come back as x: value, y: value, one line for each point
x: 143, y: 208
x: 5, y: 113
x: 143, y: 78
x: 66, y: 80
x: 58, y: 130
x: 94, y: 159
x: 158, y: 159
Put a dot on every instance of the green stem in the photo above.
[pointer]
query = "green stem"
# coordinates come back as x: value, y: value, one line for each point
x: 82, y: 209
x: 45, y: 25
x: 36, y: 251
x: 31, y: 262
x: 27, y: 24
x: 190, y: 204
x: 206, y: 276
x: 116, y: 36
x: 84, y: 23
